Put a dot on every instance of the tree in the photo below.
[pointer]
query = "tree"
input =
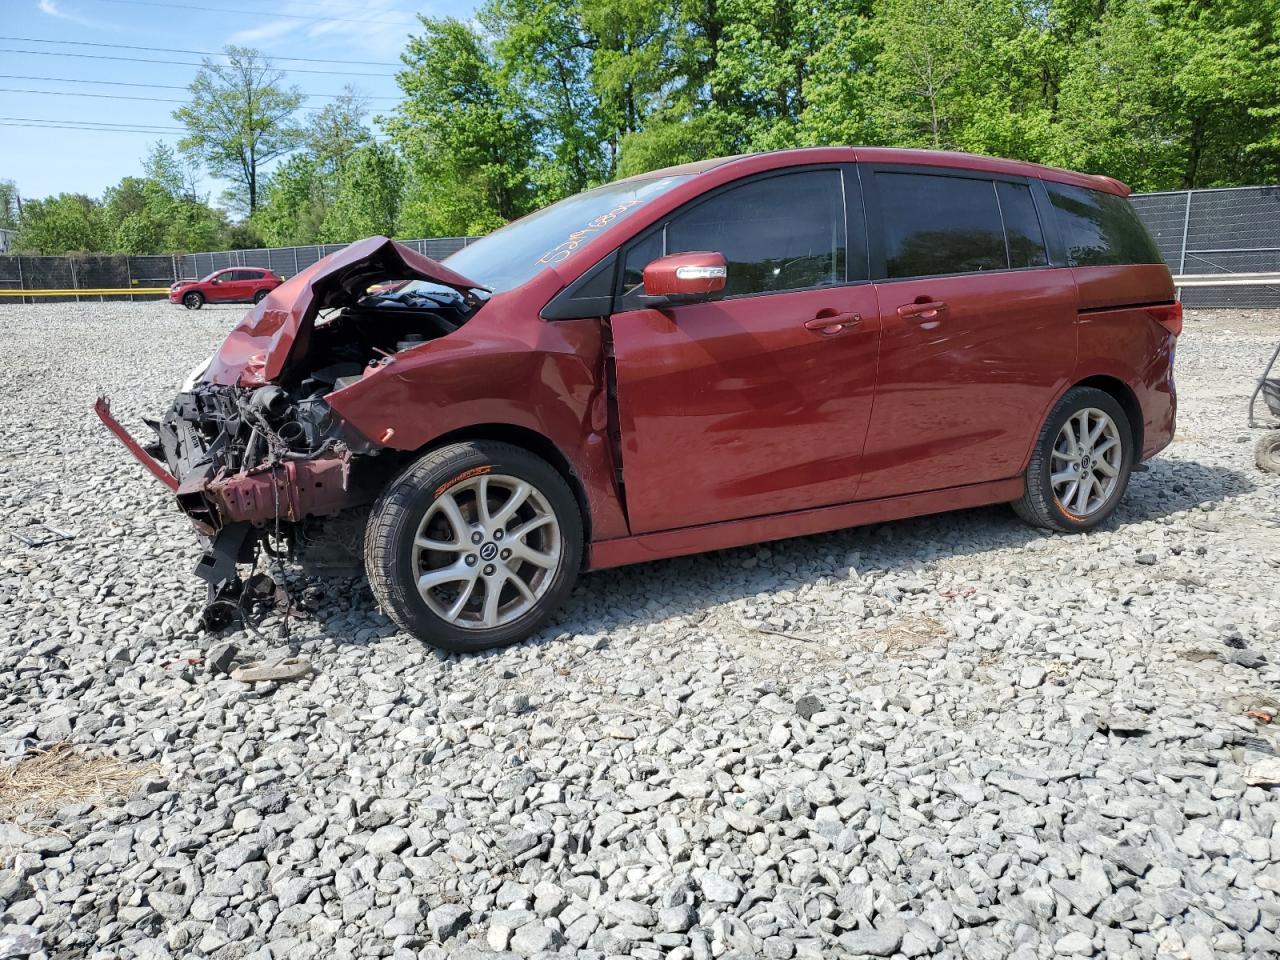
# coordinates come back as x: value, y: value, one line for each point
x: 334, y: 132
x: 67, y: 223
x: 368, y: 197
x: 469, y: 138
x: 10, y: 204
x: 294, y: 204
x: 545, y: 53
x: 240, y: 118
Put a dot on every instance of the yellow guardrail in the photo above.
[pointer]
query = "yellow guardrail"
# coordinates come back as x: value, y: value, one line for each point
x: 91, y: 292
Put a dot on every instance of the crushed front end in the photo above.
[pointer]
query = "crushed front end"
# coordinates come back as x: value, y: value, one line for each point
x: 251, y: 448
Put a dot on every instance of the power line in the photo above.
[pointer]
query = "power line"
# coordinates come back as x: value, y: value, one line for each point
x: 87, y: 124
x: 201, y: 53
x: 93, y: 123
x: 183, y: 63
x: 99, y: 96
x: 121, y: 96
x: 258, y: 13
x: 40, y: 126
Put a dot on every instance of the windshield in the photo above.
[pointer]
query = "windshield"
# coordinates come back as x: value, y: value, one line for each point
x: 512, y: 255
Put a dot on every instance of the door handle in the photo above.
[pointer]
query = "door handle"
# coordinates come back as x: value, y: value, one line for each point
x: 922, y: 309
x: 828, y: 325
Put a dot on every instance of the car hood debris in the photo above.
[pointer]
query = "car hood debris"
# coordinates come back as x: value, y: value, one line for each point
x: 258, y: 350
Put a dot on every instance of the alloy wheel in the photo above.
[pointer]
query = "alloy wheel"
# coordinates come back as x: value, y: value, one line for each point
x: 486, y: 551
x: 1087, y: 459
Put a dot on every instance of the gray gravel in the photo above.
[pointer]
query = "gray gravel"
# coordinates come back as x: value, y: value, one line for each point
x: 952, y: 736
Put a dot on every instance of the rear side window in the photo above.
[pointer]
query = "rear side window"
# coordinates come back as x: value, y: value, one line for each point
x: 938, y: 225
x: 1021, y: 225
x: 781, y: 233
x: 1099, y: 228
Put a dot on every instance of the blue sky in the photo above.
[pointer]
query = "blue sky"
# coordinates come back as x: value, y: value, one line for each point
x: 43, y: 159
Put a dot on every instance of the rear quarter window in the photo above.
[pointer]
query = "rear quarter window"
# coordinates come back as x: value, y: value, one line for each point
x: 1100, y: 229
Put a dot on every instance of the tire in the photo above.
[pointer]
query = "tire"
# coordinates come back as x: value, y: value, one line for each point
x: 1042, y: 504
x: 418, y: 503
x: 1266, y: 454
x: 260, y: 296
x: 193, y: 300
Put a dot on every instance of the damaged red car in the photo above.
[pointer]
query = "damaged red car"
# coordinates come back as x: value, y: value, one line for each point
x: 711, y: 355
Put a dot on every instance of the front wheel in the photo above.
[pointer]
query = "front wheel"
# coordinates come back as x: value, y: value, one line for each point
x: 1081, y: 464
x: 193, y: 300
x: 474, y: 546
x: 260, y: 296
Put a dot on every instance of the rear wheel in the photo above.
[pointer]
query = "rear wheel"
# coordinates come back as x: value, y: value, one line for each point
x: 193, y: 300
x: 1081, y: 464
x: 474, y: 546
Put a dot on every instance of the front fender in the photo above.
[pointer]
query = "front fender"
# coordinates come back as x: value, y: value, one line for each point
x: 550, y: 384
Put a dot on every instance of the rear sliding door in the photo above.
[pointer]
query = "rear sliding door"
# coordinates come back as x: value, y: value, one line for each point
x: 977, y: 327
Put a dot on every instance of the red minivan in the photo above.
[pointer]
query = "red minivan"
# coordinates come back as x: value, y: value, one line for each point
x: 233, y: 285
x: 716, y: 354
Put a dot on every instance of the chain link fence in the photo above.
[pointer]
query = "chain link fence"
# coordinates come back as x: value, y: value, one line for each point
x: 287, y: 261
x: 1216, y: 231
x: 1220, y: 231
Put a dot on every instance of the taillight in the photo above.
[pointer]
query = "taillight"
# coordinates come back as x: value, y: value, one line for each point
x: 1169, y: 316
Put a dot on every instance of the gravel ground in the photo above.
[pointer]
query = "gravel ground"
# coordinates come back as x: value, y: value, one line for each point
x: 952, y: 736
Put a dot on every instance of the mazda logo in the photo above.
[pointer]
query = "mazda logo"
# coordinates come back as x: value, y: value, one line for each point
x: 488, y: 551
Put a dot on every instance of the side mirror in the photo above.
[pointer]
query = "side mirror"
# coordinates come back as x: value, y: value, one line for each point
x: 686, y: 277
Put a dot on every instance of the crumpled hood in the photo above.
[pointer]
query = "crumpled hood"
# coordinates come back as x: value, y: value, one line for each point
x: 257, y: 350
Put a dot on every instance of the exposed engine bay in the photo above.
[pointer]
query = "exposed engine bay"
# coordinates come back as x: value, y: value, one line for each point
x: 218, y: 429
x: 251, y: 442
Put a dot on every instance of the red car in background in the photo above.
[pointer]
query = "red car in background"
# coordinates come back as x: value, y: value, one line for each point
x: 233, y: 285
x: 716, y: 354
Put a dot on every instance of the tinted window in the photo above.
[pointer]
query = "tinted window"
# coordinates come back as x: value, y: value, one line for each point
x: 1100, y: 228
x: 780, y: 233
x: 936, y: 225
x: 1021, y: 225
x: 638, y: 257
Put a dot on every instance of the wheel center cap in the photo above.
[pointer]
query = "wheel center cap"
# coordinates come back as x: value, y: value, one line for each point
x: 488, y: 551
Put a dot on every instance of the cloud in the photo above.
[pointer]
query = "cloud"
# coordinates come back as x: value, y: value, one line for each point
x: 51, y: 8
x: 361, y: 28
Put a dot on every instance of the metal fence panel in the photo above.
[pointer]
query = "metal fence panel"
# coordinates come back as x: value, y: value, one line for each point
x: 1229, y: 230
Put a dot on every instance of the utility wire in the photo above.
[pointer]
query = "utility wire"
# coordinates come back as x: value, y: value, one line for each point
x: 68, y: 126
x: 85, y: 129
x: 94, y: 123
x: 200, y: 53
x: 117, y: 96
x: 170, y: 86
x: 183, y: 63
x: 259, y: 13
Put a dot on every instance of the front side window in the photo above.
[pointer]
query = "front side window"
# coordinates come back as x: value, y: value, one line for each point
x: 780, y: 233
x: 939, y: 224
x: 1100, y: 228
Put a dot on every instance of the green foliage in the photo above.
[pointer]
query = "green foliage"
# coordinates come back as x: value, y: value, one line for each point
x: 536, y: 99
x: 239, y: 119
x: 294, y: 202
x: 67, y: 223
x: 370, y: 186
x: 158, y: 212
x: 9, y: 203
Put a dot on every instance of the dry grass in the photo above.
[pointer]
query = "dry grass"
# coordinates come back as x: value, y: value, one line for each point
x: 45, y: 780
x: 912, y: 632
